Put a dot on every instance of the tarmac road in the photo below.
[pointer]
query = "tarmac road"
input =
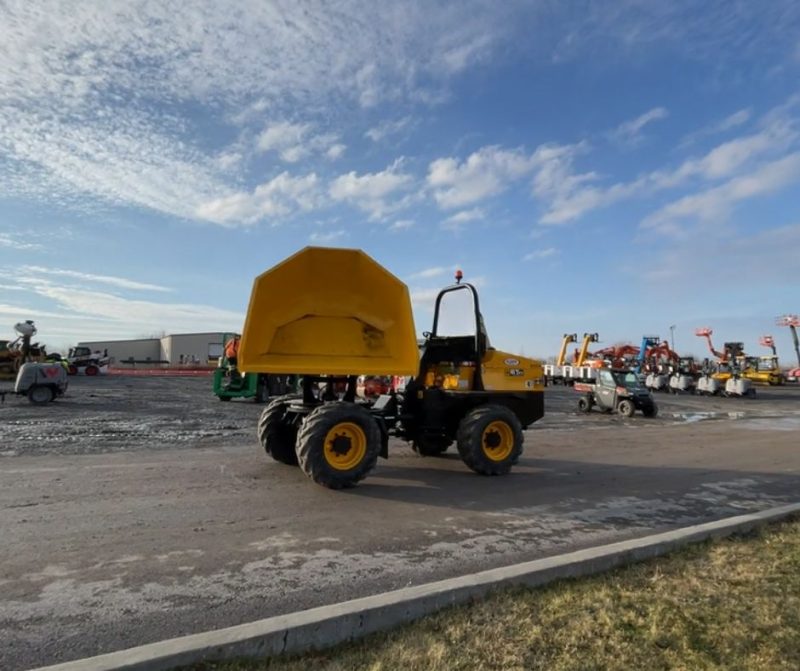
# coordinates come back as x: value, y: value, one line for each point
x: 137, y: 510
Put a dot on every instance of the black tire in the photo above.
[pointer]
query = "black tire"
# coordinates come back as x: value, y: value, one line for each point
x: 475, y: 434
x: 330, y: 433
x: 751, y: 393
x: 585, y: 404
x: 40, y: 394
x: 91, y: 370
x: 432, y: 447
x: 72, y: 369
x: 626, y: 408
x: 277, y: 436
x: 225, y: 398
x: 650, y: 410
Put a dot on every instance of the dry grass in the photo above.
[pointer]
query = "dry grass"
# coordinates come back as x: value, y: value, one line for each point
x: 734, y: 604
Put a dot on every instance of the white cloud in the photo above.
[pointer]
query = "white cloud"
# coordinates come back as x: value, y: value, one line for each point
x: 773, y: 252
x: 630, y: 132
x: 335, y: 151
x: 369, y: 192
x: 457, y: 221
x: 461, y: 55
x: 730, y: 122
x: 717, y: 31
x: 228, y: 160
x: 257, y: 51
x: 486, y: 172
x: 388, y: 128
x: 466, y: 215
x: 16, y: 242
x: 83, y: 313
x: 93, y: 97
x: 715, y: 203
x: 295, y: 141
x: 278, y: 198
x: 541, y: 254
x: 738, y: 118
x: 428, y: 273
x: 424, y: 298
x: 110, y: 280
x: 327, y: 237
x: 279, y: 136
x: 116, y: 155
x: 568, y: 197
x: 401, y: 225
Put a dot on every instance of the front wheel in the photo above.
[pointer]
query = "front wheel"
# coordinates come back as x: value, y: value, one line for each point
x: 626, y: 408
x: 650, y: 410
x: 490, y: 440
x: 91, y: 370
x: 40, y: 394
x: 338, y: 444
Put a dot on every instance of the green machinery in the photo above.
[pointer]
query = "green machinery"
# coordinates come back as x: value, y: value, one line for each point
x: 230, y: 382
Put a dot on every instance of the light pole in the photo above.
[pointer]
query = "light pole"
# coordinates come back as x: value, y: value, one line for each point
x: 672, y: 337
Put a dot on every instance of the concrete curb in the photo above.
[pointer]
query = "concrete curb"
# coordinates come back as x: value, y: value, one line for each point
x: 328, y: 625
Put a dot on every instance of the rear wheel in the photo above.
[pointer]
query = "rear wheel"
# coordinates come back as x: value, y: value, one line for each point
x: 338, y: 444
x: 91, y: 370
x: 650, y: 410
x: 40, y: 394
x: 72, y: 369
x: 585, y: 404
x: 225, y: 398
x: 276, y: 434
x: 626, y: 408
x: 490, y: 440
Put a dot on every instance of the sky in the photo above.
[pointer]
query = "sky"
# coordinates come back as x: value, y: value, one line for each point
x: 619, y: 168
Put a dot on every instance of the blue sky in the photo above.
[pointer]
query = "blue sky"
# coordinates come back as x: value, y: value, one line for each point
x: 591, y: 166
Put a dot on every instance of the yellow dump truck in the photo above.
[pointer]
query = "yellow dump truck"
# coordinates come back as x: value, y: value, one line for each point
x: 331, y: 315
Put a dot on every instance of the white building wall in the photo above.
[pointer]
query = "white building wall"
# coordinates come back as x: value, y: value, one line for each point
x: 172, y: 349
x: 140, y: 350
x: 181, y: 347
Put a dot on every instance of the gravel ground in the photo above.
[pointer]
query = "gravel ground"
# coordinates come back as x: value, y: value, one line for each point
x: 136, y: 509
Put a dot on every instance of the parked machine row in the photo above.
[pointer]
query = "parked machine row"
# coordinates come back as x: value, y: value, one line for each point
x: 728, y: 372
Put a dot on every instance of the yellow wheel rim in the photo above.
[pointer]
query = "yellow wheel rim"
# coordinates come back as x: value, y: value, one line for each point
x: 498, y: 441
x: 345, y: 446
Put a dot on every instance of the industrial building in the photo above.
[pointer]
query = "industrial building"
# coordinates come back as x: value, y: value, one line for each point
x: 174, y: 350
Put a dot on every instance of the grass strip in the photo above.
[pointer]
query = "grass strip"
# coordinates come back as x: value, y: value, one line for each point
x: 729, y: 604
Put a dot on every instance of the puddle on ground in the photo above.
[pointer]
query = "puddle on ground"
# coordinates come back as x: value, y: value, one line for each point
x: 773, y: 423
x: 689, y: 417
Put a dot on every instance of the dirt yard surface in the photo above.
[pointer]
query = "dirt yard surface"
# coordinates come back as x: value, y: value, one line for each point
x: 136, y: 509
